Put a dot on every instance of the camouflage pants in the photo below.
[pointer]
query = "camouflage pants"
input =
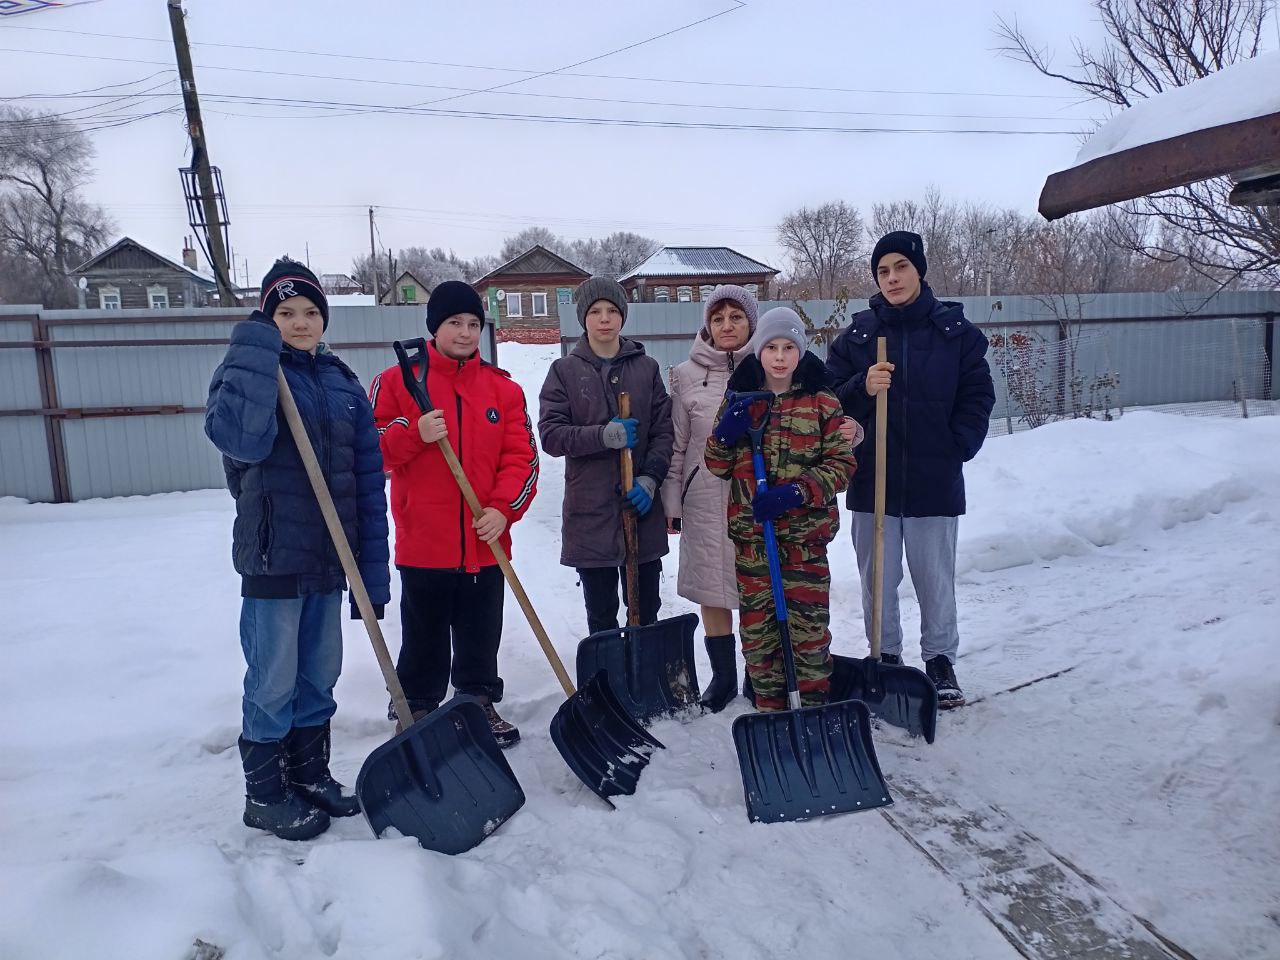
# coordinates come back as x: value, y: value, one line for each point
x: 807, y: 588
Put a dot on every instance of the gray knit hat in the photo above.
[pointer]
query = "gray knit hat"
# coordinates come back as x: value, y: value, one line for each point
x: 737, y: 295
x: 599, y: 288
x: 780, y: 323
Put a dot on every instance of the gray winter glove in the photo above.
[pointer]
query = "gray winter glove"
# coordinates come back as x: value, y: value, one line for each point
x: 620, y: 432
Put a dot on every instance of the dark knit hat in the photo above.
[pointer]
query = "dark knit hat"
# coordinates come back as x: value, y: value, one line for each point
x: 599, y: 288
x: 449, y: 299
x: 289, y: 278
x: 909, y: 244
x: 739, y: 296
x: 780, y: 323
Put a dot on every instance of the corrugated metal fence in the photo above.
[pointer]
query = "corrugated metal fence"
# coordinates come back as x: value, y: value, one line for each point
x: 1125, y: 350
x: 109, y: 403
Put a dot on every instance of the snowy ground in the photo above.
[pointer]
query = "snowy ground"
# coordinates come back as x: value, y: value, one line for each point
x: 1140, y: 557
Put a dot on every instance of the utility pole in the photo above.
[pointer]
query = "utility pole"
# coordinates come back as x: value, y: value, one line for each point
x: 200, y: 157
x: 391, y: 279
x: 373, y: 262
x: 989, y: 233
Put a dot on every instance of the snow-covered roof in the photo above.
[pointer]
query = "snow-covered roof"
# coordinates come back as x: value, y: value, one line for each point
x: 697, y: 261
x: 129, y: 241
x: 1242, y: 91
x: 351, y: 300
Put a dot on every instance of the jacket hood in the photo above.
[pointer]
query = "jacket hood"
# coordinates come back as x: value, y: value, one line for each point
x: 705, y: 355
x: 810, y: 375
x: 627, y: 350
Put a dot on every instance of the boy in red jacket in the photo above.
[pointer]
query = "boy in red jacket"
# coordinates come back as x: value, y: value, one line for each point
x: 451, y: 587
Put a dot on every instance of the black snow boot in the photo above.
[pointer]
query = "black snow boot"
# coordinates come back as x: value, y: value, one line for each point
x: 892, y: 659
x: 723, y: 652
x: 269, y: 804
x: 943, y: 676
x: 505, y: 732
x: 308, y: 766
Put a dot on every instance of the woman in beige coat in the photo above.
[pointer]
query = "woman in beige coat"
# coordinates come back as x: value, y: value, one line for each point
x: 696, y: 502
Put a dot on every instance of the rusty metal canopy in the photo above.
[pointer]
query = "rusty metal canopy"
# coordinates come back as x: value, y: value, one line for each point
x: 1248, y: 150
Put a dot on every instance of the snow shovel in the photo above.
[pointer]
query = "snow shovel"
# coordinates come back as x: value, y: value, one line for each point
x: 650, y: 668
x: 803, y: 762
x: 597, y: 739
x: 895, y: 693
x: 443, y: 780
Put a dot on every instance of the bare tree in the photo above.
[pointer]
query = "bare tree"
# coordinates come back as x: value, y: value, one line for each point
x: 825, y: 245
x: 1152, y: 46
x: 614, y: 255
x: 515, y: 245
x: 44, y: 220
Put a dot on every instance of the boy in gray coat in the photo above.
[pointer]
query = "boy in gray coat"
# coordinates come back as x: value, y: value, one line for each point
x: 579, y: 420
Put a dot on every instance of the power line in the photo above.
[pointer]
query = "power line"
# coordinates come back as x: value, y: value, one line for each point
x: 611, y: 100
x: 85, y: 93
x: 344, y: 107
x: 564, y: 73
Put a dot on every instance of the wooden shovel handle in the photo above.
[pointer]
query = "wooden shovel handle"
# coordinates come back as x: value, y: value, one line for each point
x: 877, y: 554
x: 504, y: 564
x: 630, y: 536
x: 339, y: 537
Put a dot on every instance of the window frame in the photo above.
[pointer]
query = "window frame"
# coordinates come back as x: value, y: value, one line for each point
x: 661, y: 294
x: 533, y: 303
x: 155, y: 292
x: 514, y: 298
x: 109, y: 293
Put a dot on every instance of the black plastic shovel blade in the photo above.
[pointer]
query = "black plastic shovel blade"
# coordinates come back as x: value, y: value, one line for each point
x: 600, y: 742
x: 811, y: 762
x: 443, y: 781
x: 650, y: 668
x: 897, y: 694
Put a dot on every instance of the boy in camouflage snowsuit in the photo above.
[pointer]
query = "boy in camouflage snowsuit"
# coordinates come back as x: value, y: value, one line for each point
x: 807, y: 462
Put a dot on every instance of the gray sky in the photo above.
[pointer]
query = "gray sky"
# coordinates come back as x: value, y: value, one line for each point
x: 305, y: 175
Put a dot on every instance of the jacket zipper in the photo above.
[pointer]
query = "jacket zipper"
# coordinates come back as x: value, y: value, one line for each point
x: 326, y: 438
x: 462, y: 507
x: 902, y: 499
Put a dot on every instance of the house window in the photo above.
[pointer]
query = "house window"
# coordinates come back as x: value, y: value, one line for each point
x: 705, y: 291
x: 158, y: 298
x: 513, y: 305
x: 635, y: 294
x: 684, y: 294
x: 539, y: 304
x: 408, y: 293
x: 753, y: 289
x: 661, y: 294
x: 109, y: 298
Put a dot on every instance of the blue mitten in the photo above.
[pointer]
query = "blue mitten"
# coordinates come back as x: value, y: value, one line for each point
x: 735, y: 420
x: 620, y: 432
x: 774, y: 502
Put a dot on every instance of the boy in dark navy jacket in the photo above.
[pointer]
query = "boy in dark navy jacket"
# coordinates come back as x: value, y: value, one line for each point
x: 940, y: 399
x: 292, y: 579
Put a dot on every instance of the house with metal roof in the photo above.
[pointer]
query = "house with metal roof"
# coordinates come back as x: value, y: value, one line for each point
x: 129, y: 276
x: 689, y: 274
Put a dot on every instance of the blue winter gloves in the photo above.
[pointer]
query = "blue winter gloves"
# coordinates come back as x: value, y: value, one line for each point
x: 774, y: 502
x: 640, y: 496
x: 620, y: 432
x: 736, y: 419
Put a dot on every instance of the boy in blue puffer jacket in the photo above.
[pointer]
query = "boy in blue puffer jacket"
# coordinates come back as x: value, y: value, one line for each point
x: 291, y: 578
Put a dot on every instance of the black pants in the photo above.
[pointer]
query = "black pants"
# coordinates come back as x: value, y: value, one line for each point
x: 600, y: 588
x: 444, y: 612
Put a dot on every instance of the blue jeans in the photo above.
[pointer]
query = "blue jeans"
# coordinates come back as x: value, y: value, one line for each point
x: 293, y: 650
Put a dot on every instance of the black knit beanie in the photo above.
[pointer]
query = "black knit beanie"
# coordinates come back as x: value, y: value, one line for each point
x: 450, y: 299
x: 289, y: 278
x: 909, y: 244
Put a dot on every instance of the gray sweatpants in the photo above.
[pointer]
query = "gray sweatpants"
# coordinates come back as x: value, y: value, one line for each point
x: 930, y: 544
